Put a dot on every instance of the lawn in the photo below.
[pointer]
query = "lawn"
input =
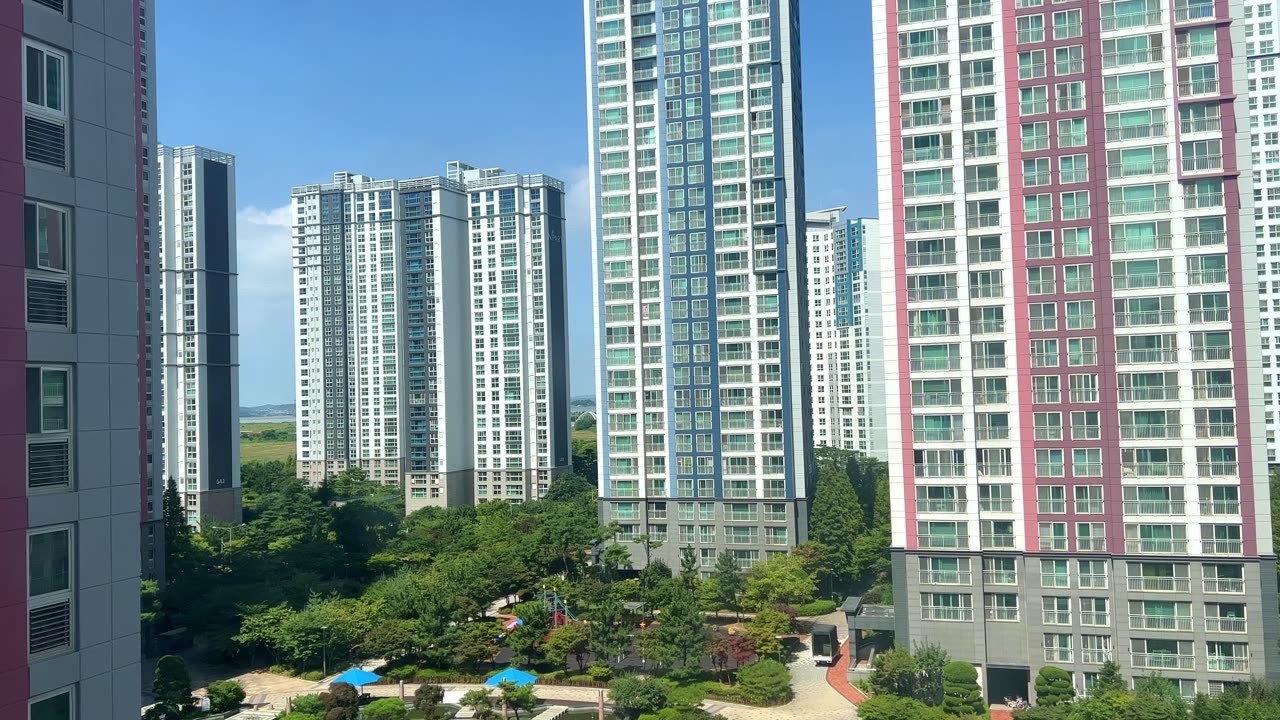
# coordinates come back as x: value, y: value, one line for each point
x: 267, y: 441
x: 588, y: 434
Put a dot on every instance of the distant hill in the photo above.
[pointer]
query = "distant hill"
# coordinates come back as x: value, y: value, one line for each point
x: 268, y: 411
x: 582, y: 401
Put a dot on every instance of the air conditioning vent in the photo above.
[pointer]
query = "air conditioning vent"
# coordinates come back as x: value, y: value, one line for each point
x: 56, y: 5
x: 48, y: 463
x: 49, y: 627
x: 46, y: 142
x: 47, y: 301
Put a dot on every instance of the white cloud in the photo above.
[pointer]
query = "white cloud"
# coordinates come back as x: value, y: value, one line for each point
x: 264, y: 252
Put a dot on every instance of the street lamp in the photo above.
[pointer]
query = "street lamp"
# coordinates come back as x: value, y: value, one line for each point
x: 324, y: 650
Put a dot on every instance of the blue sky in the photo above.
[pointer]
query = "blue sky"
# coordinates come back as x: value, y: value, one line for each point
x: 396, y: 88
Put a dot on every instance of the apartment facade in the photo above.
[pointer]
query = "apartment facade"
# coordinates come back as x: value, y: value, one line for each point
x: 702, y: 340
x: 75, y: 494
x: 431, y: 323
x: 846, y: 342
x: 1076, y: 432
x: 200, y: 348
x: 1261, y: 54
x: 149, y: 362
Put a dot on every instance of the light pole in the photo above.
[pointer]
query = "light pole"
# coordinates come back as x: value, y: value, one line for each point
x: 324, y: 650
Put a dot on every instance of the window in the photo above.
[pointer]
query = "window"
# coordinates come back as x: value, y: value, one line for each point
x: 45, y: 72
x: 45, y: 230
x: 57, y: 706
x: 49, y: 583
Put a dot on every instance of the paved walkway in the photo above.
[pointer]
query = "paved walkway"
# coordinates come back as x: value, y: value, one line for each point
x: 838, y: 677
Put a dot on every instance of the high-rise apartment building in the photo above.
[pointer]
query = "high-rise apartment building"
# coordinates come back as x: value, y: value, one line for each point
x: 1262, y: 53
x: 846, y: 343
x: 702, y: 339
x: 430, y: 319
x: 149, y: 362
x: 74, y: 495
x: 1075, y: 404
x: 200, y: 350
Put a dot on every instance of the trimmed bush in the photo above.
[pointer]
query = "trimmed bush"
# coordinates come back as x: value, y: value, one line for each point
x: 386, y: 709
x: 765, y: 682
x: 817, y: 607
x: 1053, y: 686
x: 225, y: 695
x: 960, y: 692
x: 892, y: 707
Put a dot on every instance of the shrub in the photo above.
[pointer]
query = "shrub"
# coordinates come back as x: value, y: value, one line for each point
x: 312, y: 676
x: 225, y: 695
x: 961, y: 694
x: 1053, y: 686
x: 894, y: 673
x: 308, y: 704
x: 765, y: 681
x: 892, y: 707
x: 633, y: 697
x: 427, y: 698
x: 685, y: 698
x: 386, y: 709
x: 817, y: 607
x: 599, y: 671
x: 1056, y: 712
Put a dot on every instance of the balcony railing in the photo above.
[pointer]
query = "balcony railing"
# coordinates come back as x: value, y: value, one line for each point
x: 941, y: 506
x: 1092, y: 544
x: 981, y: 8
x: 1215, y: 430
x: 1053, y: 654
x: 1222, y: 547
x: 958, y: 542
x: 1143, y: 394
x: 1159, y: 622
x: 1129, y: 20
x: 1219, y: 507
x: 1154, y: 546
x: 911, y: 155
x: 933, y: 329
x: 1132, y: 57
x: 1221, y: 663
x: 1207, y: 277
x: 935, y: 364
x: 1155, y: 507
x: 1203, y: 200
x: 1139, y: 207
x: 937, y: 434
x: 922, y: 49
x: 929, y: 224
x: 1137, y: 94
x: 1144, y: 318
x: 1164, y: 661
x: 1053, y: 544
x: 1056, y: 617
x: 1139, y: 583
x: 1200, y: 125
x: 997, y: 542
x: 1148, y: 432
x: 943, y: 399
x: 953, y: 614
x: 925, y: 119
x: 991, y: 398
x: 930, y: 294
x: 939, y: 470
x: 1145, y: 357
x: 919, y: 15
x: 1093, y: 582
x: 1095, y: 619
x: 1189, y: 12
x: 1136, y: 132
x: 945, y: 577
x: 1000, y: 577
x: 1214, y: 392
x: 1055, y: 580
x: 1001, y: 506
x: 1218, y: 469
x: 1137, y: 169
x: 976, y: 45
x: 1003, y: 614
x: 1152, y: 469
x: 982, y: 79
x: 995, y: 469
x: 1224, y: 586
x: 1095, y: 657
x: 1201, y: 163
x: 1225, y: 625
x: 1212, y: 315
x: 926, y: 84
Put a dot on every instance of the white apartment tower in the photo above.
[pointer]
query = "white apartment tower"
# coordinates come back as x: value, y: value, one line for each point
x: 430, y: 333
x: 200, y: 350
x: 846, y: 340
x: 1262, y: 50
x: 696, y: 155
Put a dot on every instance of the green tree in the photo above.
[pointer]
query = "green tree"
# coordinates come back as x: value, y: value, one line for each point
x: 931, y: 658
x: 585, y: 421
x: 342, y: 702
x: 1109, y: 680
x: 764, y: 629
x: 765, y: 681
x: 608, y: 631
x: 172, y: 684
x: 476, y: 643
x: 837, y: 520
x: 683, y: 627
x: 261, y: 629
x: 892, y: 707
x: 894, y: 673
x: 961, y: 694
x: 224, y: 695
x: 781, y: 579
x: 385, y: 709
x: 614, y: 558
x: 480, y: 702
x: 572, y: 487
x: 647, y: 543
x: 177, y: 533
x: 427, y: 698
x: 633, y: 697
x: 1053, y: 686
x: 571, y: 639
x: 730, y: 582
x: 517, y: 698
x: 689, y: 568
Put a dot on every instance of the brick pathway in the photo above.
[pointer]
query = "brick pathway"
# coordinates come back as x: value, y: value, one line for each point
x: 838, y: 677
x: 1000, y: 712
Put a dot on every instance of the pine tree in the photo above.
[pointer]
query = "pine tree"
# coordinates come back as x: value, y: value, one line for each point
x: 1108, y: 680
x: 177, y: 533
x: 837, y: 521
x: 729, y: 580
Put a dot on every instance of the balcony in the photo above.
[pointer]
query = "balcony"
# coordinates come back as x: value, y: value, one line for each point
x: 1222, y: 547
x: 1149, y: 432
x: 1203, y: 200
x: 1192, y: 12
x: 1214, y: 276
x: 1146, y: 357
x: 943, y: 542
x: 1219, y: 507
x: 1224, y: 586
x: 950, y: 614
x: 1054, y: 580
x: 927, y: 189
x: 1132, y: 57
x: 931, y: 259
x: 1138, y: 583
x: 989, y: 362
x: 1225, y: 625
x: 925, y: 84
x: 1160, y: 622
x: 1155, y: 507
x: 987, y: 327
x: 1215, y: 430
x: 925, y: 154
x: 1061, y: 655
x: 937, y: 435
x: 939, y: 470
x: 991, y: 398
x: 1130, y: 20
x: 974, y: 46
x: 1137, y: 169
x: 929, y: 224
x: 981, y: 185
x: 1139, y: 207
x: 1002, y: 614
x: 1201, y: 125
x: 1093, y: 544
x: 995, y: 469
x: 1201, y: 163
x: 1094, y: 657
x: 1056, y: 617
x: 1000, y: 506
x: 997, y: 542
x: 1095, y: 619
x: 976, y: 80
x: 1053, y: 544
x: 918, y: 50
x: 1164, y: 661
x: 1137, y: 132
x: 1222, y: 663
x: 925, y: 119
x: 1162, y: 546
x: 935, y: 364
x: 935, y: 399
x: 1000, y: 577
x: 920, y: 15
x: 945, y: 577
x: 932, y: 294
x: 1133, y: 95
x: 1152, y: 469
x: 1144, y: 318
x: 981, y: 8
x: 1214, y: 392
x: 1212, y: 315
x: 1218, y: 469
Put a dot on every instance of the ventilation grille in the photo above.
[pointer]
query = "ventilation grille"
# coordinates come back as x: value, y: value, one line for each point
x: 47, y: 301
x: 49, y: 627
x: 49, y: 464
x: 46, y: 142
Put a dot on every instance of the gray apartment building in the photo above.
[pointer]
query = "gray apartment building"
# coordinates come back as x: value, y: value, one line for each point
x: 72, y: 180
